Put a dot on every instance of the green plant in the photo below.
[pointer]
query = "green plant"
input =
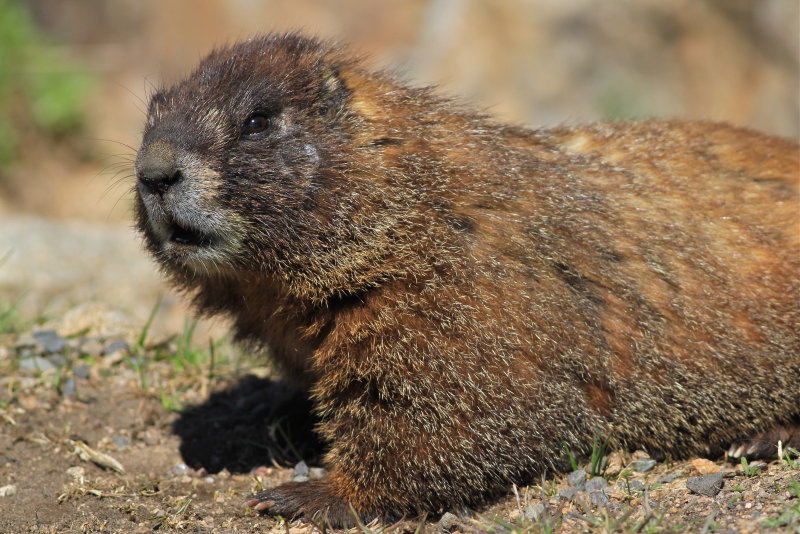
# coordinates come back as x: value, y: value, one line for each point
x: 790, y: 457
x: 749, y: 470
x: 598, y: 463
x: 40, y: 91
x: 573, y: 463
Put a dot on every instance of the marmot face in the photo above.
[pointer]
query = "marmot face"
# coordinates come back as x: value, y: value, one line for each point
x: 243, y: 166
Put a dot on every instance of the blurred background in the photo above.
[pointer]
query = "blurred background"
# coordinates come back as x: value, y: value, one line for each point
x: 75, y: 75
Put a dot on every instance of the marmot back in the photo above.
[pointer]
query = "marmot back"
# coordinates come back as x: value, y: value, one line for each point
x: 461, y: 297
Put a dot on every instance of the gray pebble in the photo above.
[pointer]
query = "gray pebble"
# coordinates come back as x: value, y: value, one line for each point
x: 181, y: 469
x: 57, y: 360
x: 35, y: 363
x: 599, y: 498
x: 596, y: 483
x: 448, y: 523
x: 668, y: 478
x: 708, y: 485
x: 121, y: 441
x: 68, y: 388
x: 81, y: 371
x: 534, y: 511
x: 115, y: 346
x: 634, y: 485
x: 577, y: 479
x: 49, y: 341
x: 567, y: 493
x: 642, y: 466
x: 300, y: 472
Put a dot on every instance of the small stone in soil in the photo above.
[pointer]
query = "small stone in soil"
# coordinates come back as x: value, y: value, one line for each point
x: 121, y: 441
x: 567, y: 493
x: 315, y: 473
x: 300, y: 470
x: 68, y: 388
x: 81, y: 371
x: 448, y: 523
x: 577, y: 479
x: 57, y: 360
x: 708, y: 485
x: 35, y: 363
x: 634, y: 485
x: 599, y: 498
x: 642, y: 466
x: 115, y: 346
x: 668, y: 478
x: 92, y: 347
x: 534, y: 511
x: 596, y: 483
x: 181, y: 469
x: 49, y: 341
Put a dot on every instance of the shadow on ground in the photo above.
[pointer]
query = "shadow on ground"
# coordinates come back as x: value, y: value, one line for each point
x: 255, y: 422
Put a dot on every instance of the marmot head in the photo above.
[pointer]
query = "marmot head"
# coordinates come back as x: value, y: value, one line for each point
x: 252, y: 164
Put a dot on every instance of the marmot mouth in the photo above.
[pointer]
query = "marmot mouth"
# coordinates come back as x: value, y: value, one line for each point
x: 181, y: 235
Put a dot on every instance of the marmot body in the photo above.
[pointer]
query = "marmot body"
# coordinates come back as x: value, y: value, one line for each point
x: 461, y: 297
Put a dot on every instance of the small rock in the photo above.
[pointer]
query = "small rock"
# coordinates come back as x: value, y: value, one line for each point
x: 634, y: 485
x: 708, y: 485
x: 668, y: 478
x: 25, y: 341
x: 116, y: 346
x: 316, y: 473
x: 92, y: 347
x: 49, y: 341
x: 448, y: 523
x: 534, y: 511
x: 567, y: 493
x: 181, y: 469
x: 7, y: 491
x: 614, y: 463
x: 577, y: 479
x: 300, y: 472
x: 596, y: 484
x: 35, y: 363
x: 121, y: 442
x: 645, y: 465
x: 81, y: 371
x: 5, y: 353
x: 68, y: 388
x: 598, y: 498
x: 57, y: 360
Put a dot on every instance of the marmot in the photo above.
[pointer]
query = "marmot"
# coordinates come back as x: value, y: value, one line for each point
x: 461, y: 297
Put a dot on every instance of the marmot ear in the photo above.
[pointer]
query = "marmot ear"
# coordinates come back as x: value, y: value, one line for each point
x: 334, y: 91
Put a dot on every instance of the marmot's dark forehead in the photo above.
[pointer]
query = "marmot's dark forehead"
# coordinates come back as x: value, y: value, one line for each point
x: 273, y: 67
x: 283, y: 59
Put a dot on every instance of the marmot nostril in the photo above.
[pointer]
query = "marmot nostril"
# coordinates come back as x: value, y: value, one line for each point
x: 158, y: 182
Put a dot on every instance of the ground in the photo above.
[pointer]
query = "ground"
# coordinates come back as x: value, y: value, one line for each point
x: 103, y: 433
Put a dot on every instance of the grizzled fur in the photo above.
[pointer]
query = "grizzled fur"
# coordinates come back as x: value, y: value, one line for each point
x: 460, y: 297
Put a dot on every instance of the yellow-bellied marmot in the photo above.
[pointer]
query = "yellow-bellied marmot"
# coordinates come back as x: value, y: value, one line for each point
x: 460, y: 297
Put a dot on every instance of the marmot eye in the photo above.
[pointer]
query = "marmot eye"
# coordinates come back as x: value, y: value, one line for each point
x: 256, y: 123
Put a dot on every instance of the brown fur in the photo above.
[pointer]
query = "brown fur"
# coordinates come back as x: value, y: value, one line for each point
x: 460, y: 297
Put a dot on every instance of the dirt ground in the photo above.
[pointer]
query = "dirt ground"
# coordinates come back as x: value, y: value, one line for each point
x: 103, y: 434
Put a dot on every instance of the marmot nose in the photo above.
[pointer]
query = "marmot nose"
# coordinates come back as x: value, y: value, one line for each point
x: 158, y: 175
